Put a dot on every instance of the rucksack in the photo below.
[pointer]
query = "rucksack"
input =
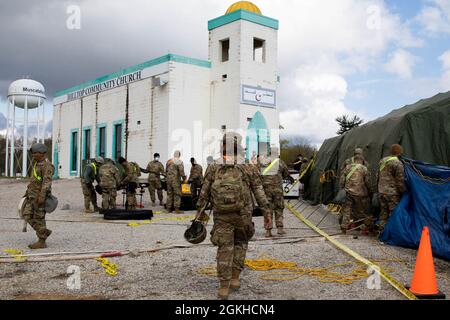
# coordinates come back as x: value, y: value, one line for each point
x: 228, y: 189
x: 136, y: 168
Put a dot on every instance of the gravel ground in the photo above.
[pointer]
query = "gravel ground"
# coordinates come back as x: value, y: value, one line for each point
x: 174, y: 273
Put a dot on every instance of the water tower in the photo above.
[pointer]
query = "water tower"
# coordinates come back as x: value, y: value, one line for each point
x: 26, y: 95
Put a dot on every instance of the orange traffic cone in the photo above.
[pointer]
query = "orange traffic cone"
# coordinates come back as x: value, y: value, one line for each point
x: 423, y: 284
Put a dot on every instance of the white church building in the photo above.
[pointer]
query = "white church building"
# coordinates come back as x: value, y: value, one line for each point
x: 175, y: 102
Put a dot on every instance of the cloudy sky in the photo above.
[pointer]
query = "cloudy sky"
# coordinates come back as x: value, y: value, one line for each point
x: 336, y: 57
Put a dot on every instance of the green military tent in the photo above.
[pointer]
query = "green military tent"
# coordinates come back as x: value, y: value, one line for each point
x: 423, y: 129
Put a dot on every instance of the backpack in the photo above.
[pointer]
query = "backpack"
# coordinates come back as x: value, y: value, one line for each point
x: 227, y: 190
x: 136, y: 168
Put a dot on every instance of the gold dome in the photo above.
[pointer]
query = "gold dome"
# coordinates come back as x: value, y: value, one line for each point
x: 244, y: 5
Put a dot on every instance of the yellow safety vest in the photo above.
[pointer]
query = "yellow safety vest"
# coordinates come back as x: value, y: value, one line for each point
x: 38, y: 178
x: 383, y: 165
x: 266, y: 170
x: 94, y: 167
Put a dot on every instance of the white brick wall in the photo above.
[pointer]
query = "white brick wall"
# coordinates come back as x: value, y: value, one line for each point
x: 176, y: 105
x: 189, y: 104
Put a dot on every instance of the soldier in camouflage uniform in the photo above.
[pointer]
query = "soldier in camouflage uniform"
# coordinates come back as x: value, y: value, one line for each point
x: 88, y: 177
x: 391, y: 183
x: 130, y: 179
x: 109, y: 181
x: 175, y: 177
x: 273, y: 170
x: 195, y: 178
x: 355, y: 180
x: 232, y: 230
x: 155, y: 169
x: 358, y: 151
x: 38, y: 189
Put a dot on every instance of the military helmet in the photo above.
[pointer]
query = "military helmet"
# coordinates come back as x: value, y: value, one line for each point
x: 38, y: 148
x: 196, y: 233
x: 358, y: 151
x: 99, y: 160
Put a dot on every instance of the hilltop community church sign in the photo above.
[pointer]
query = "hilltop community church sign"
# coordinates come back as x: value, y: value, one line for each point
x: 107, y: 85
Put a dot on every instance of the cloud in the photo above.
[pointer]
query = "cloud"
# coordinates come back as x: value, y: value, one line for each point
x: 445, y: 78
x: 401, y: 63
x: 435, y: 17
x: 320, y: 97
x: 445, y: 59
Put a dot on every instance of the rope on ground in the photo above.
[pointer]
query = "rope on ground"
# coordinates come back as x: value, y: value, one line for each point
x: 291, y: 270
x: 138, y: 224
x: 110, y: 268
x: 397, y: 285
x: 17, y: 254
x: 335, y: 208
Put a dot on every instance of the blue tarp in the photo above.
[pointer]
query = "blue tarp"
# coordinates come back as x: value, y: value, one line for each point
x: 425, y: 203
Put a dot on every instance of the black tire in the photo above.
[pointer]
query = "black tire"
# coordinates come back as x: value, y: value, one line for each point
x: 121, y: 214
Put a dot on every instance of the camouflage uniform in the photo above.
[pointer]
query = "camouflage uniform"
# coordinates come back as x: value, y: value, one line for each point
x: 351, y: 161
x: 39, y: 186
x: 155, y: 169
x: 109, y: 180
x: 391, y: 185
x: 175, y: 175
x: 196, y: 179
x: 232, y: 231
x: 90, y: 175
x: 272, y: 180
x: 356, y: 204
x: 131, y: 172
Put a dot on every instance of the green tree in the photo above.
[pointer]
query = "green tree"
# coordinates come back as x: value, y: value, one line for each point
x: 291, y: 147
x: 347, y: 123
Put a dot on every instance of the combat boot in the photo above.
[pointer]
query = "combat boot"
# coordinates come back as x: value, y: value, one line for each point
x: 224, y: 289
x: 161, y: 204
x: 40, y: 244
x: 48, y: 232
x: 89, y: 210
x: 268, y: 233
x: 281, y: 231
x: 235, y: 283
x: 178, y: 211
x: 96, y: 209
